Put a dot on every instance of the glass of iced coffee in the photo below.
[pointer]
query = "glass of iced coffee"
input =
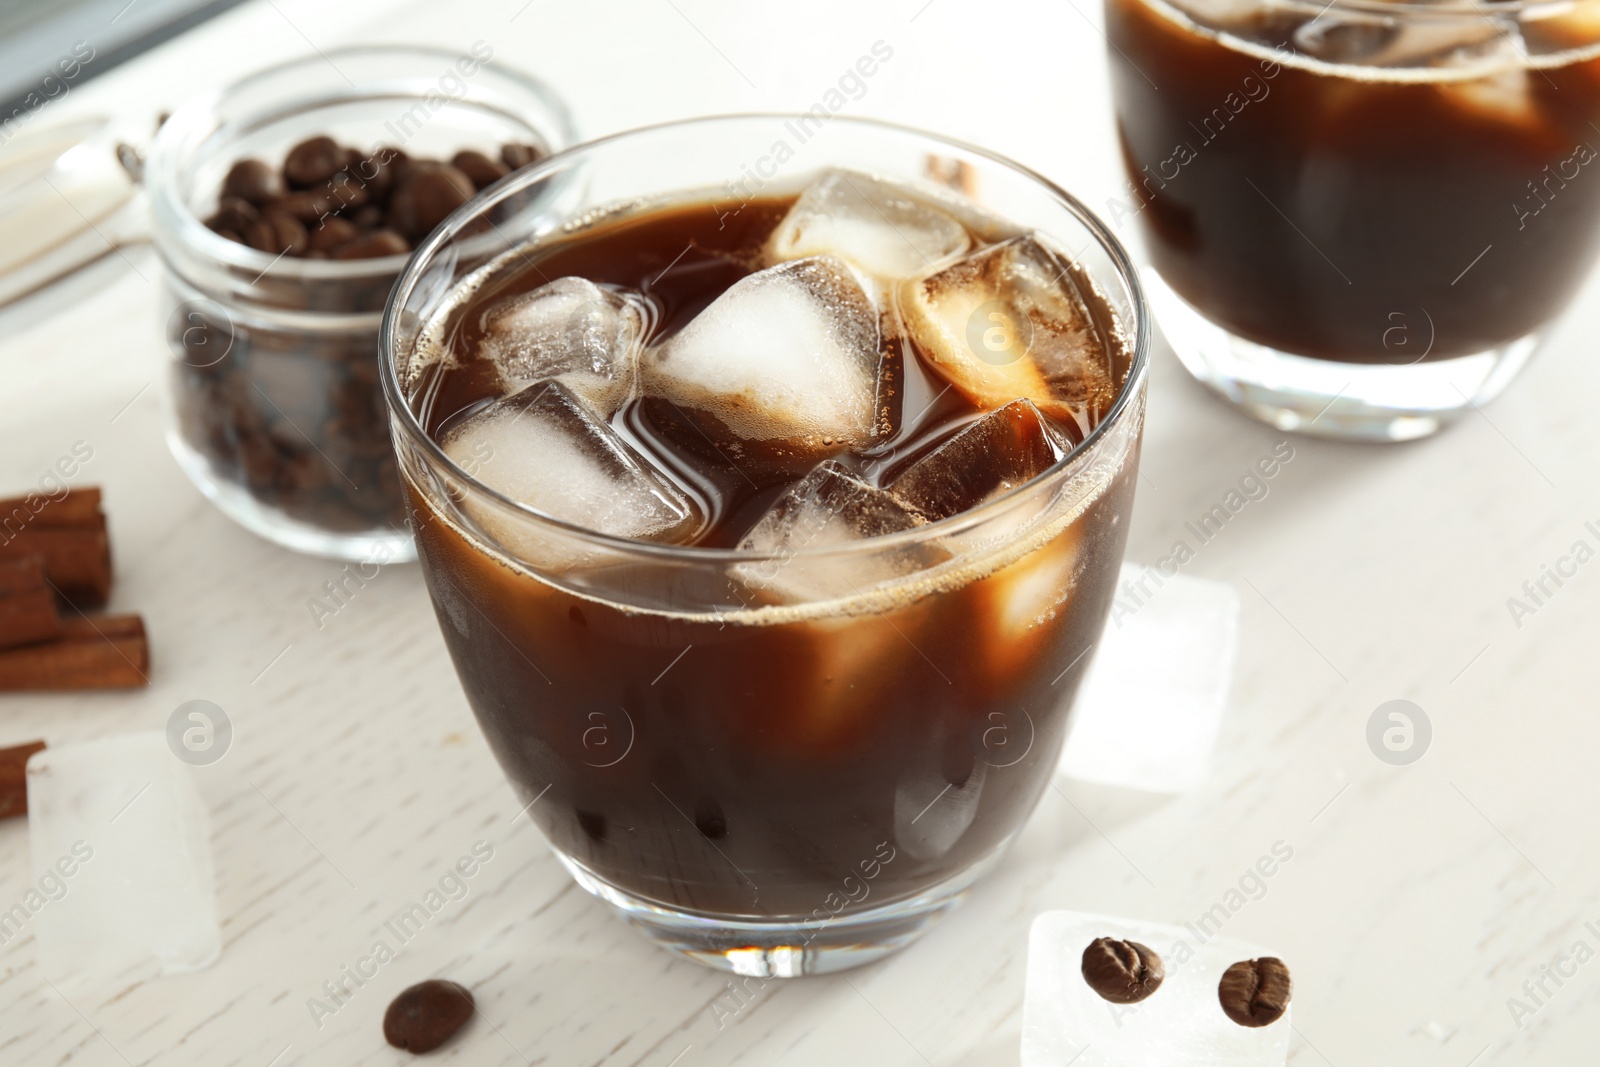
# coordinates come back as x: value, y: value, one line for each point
x: 1361, y: 214
x: 770, y: 494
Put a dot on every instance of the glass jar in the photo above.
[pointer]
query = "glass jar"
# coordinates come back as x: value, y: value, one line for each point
x: 1361, y: 215
x: 275, y: 408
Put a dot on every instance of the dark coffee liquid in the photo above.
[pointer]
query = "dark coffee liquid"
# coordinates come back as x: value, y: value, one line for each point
x: 735, y: 764
x: 1355, y: 217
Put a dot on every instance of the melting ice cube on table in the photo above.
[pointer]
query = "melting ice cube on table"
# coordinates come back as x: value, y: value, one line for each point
x: 880, y: 227
x: 1008, y: 322
x: 571, y: 330
x: 1151, y: 705
x: 545, y: 448
x: 121, y: 853
x: 782, y: 368
x: 830, y: 507
x: 1181, y: 1024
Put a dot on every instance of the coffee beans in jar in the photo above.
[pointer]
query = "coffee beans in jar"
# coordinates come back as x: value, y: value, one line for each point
x: 283, y: 207
x: 333, y: 201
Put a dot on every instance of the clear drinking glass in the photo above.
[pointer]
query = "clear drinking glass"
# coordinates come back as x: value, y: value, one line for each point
x: 774, y: 790
x: 275, y: 411
x: 1361, y: 214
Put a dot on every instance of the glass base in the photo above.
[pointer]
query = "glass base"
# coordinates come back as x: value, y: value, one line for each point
x: 785, y: 948
x: 370, y: 546
x: 1352, y: 401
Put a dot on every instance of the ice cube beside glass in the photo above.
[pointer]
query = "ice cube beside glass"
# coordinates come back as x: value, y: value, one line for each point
x: 1151, y: 705
x: 121, y: 850
x: 1181, y: 1024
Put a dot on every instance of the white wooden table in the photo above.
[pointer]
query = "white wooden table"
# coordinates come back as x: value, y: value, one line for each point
x: 1418, y: 900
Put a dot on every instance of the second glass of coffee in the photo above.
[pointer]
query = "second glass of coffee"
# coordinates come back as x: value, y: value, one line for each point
x: 1361, y: 214
x: 769, y: 520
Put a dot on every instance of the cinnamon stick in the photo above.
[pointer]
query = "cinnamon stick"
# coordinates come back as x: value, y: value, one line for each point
x: 27, y: 603
x: 69, y: 534
x: 13, y: 780
x: 93, y: 652
x: 76, y: 507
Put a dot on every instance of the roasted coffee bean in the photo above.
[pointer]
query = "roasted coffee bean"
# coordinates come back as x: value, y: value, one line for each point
x: 321, y: 179
x: 1123, y: 972
x: 312, y: 162
x: 345, y: 192
x: 308, y: 206
x: 234, y: 214
x: 424, y: 196
x: 277, y: 232
x: 392, y: 157
x: 483, y: 171
x: 252, y: 180
x: 395, y: 163
x: 516, y: 156
x: 427, y: 1015
x: 372, y: 245
x: 1255, y: 992
x: 368, y: 218
x: 331, y: 233
x: 376, y: 173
